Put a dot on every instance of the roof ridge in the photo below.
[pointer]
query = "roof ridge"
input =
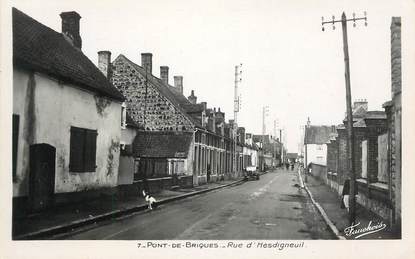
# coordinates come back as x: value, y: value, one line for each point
x: 42, y: 49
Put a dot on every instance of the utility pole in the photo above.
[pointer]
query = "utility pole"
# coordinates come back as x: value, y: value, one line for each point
x: 350, y: 135
x: 274, y: 144
x: 237, y: 106
x: 282, y: 148
x: 265, y: 111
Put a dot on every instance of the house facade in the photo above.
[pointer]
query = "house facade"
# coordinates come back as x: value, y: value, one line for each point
x: 194, y: 143
x: 377, y: 150
x: 66, y: 117
x: 316, y: 143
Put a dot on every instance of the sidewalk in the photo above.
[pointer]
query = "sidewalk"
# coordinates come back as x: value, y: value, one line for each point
x: 62, y: 219
x: 329, y: 200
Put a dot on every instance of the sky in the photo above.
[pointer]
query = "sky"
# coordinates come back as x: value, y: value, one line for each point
x: 289, y: 63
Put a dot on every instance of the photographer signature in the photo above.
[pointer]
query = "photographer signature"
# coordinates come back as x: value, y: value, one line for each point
x: 360, y: 232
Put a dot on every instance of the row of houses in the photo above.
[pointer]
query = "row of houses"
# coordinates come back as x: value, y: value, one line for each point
x: 81, y: 130
x: 377, y: 147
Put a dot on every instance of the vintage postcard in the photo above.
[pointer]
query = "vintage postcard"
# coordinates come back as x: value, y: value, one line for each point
x: 207, y: 128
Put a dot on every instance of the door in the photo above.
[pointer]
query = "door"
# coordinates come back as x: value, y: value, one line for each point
x: 42, y: 176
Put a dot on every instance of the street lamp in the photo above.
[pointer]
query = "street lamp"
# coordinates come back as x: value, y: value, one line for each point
x: 350, y: 135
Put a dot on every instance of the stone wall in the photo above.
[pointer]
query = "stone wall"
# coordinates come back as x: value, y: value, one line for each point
x: 160, y: 113
x: 396, y: 124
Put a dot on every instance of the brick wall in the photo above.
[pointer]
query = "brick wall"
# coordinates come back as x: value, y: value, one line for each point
x: 161, y: 114
x: 332, y: 152
x: 342, y: 166
x: 374, y: 128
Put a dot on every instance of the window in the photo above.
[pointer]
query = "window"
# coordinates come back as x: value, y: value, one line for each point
x: 177, y: 167
x: 82, y: 155
x: 383, y: 169
x: 123, y: 116
x: 15, y: 143
x: 364, y: 159
x: 150, y: 168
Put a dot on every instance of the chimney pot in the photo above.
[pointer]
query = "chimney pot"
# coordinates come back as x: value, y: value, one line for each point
x: 104, y: 62
x: 164, y: 74
x: 204, y: 105
x: 192, y: 98
x: 70, y: 27
x: 146, y: 62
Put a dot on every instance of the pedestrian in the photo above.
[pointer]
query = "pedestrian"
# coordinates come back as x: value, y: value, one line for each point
x: 287, y: 165
x: 346, y: 194
x: 292, y: 166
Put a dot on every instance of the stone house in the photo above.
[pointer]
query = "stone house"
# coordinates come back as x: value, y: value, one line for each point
x: 158, y: 111
x: 378, y: 146
x: 194, y: 143
x: 372, y: 182
x: 66, y: 117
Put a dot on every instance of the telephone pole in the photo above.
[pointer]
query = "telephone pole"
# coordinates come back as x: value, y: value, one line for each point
x: 237, y: 106
x: 350, y: 135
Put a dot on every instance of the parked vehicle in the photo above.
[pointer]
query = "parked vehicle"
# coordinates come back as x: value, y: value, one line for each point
x: 251, y: 172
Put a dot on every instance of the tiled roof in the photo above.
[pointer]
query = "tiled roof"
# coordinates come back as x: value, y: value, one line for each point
x: 37, y: 47
x: 317, y: 134
x: 162, y: 144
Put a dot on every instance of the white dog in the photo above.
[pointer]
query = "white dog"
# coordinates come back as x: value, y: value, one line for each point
x: 152, y: 202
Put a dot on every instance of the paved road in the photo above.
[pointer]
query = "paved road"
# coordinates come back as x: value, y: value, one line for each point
x: 271, y: 208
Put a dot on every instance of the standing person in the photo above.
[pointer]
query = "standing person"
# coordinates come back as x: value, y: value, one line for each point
x: 346, y: 193
x: 287, y: 166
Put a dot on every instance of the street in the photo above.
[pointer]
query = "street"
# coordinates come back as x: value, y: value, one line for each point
x: 272, y: 208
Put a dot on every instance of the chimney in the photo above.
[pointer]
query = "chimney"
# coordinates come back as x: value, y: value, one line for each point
x: 104, y: 62
x: 178, y: 83
x: 70, y: 27
x: 360, y: 103
x: 204, y: 105
x: 164, y: 74
x: 192, y: 98
x: 220, y: 116
x: 146, y: 62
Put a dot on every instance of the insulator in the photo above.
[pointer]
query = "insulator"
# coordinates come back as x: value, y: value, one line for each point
x: 354, y: 24
x: 334, y: 27
x: 365, y: 23
x: 322, y: 28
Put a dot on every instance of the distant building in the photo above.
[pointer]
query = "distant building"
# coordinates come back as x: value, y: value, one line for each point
x: 316, y: 139
x: 292, y: 157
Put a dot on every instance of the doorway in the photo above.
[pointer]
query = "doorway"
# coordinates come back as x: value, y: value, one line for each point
x: 42, y: 176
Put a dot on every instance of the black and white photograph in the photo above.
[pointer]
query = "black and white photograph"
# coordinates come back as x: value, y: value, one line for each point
x: 232, y: 127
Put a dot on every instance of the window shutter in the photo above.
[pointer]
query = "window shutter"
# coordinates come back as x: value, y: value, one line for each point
x: 90, y: 150
x: 15, y: 142
x: 76, y: 150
